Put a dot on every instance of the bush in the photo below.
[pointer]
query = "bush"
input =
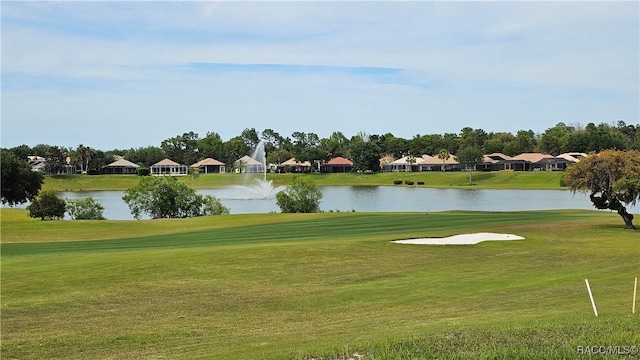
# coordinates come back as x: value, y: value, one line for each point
x: 85, y: 209
x: 420, y: 182
x: 397, y: 182
x: 93, y: 172
x: 47, y: 206
x: 563, y: 183
x: 143, y: 171
x: 166, y: 197
x: 408, y: 182
x: 300, y: 196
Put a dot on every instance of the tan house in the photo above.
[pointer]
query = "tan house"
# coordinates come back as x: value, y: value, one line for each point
x: 292, y: 165
x: 209, y: 166
x: 247, y: 164
x: 534, y: 162
x: 121, y: 167
x: 168, y: 167
x: 497, y: 161
x: 404, y: 164
x: 434, y: 163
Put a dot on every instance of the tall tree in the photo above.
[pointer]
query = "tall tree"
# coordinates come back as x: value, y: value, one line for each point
x: 365, y: 156
x: 83, y: 157
x: 470, y: 157
x: 501, y: 142
x: 394, y: 146
x: 22, y: 152
x: 472, y: 138
x: 145, y: 156
x: 250, y: 138
x: 211, y: 146
x: 234, y: 149
x: 525, y: 141
x: 55, y: 160
x: 612, y: 179
x: 443, y: 155
x: 99, y: 160
x: 19, y: 183
x: 273, y: 140
x: 336, y: 145
x: 182, y: 149
x: 40, y: 150
x: 554, y: 140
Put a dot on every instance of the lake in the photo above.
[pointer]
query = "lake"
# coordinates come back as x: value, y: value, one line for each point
x: 380, y: 199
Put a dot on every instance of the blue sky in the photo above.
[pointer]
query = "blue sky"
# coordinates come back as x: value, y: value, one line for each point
x: 129, y: 74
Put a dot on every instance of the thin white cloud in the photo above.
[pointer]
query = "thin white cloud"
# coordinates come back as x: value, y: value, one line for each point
x: 469, y: 63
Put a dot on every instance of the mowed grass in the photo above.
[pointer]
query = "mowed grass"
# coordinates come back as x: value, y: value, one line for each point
x: 437, y: 179
x: 327, y: 285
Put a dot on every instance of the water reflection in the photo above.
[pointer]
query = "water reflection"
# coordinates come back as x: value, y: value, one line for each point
x: 380, y: 199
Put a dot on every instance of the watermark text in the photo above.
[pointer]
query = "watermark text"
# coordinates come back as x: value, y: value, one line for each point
x: 608, y: 350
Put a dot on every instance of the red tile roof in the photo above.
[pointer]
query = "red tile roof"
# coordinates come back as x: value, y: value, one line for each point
x: 339, y: 161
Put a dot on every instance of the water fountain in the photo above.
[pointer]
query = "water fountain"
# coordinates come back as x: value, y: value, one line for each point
x: 258, y: 187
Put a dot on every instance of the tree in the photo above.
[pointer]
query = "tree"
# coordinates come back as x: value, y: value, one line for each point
x: 19, y: 183
x: 472, y: 138
x: 183, y: 148
x: 273, y: 140
x: 525, y: 141
x: 166, y: 197
x: 470, y: 157
x: 443, y: 155
x: 411, y: 159
x: 336, y: 145
x: 146, y: 156
x: 85, y: 209
x: 250, y: 138
x: 300, y: 196
x: 234, y: 149
x: 99, y: 160
x: 554, y: 140
x: 365, y: 156
x: 83, y: 157
x: 211, y: 146
x: 22, y: 152
x: 612, y: 178
x: 47, y: 206
x: 56, y: 159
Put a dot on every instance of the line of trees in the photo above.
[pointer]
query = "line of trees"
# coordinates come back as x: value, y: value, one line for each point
x: 363, y: 149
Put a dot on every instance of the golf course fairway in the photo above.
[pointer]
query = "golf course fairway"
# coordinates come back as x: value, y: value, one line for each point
x: 319, y: 286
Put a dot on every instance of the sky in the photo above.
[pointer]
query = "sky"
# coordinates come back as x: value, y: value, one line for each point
x: 123, y: 74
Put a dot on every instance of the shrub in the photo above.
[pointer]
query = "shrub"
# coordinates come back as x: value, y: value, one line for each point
x: 300, y: 196
x: 397, y: 182
x: 420, y: 182
x: 166, y: 197
x: 47, y: 206
x: 563, y: 183
x: 143, y: 171
x: 408, y: 182
x: 85, y: 209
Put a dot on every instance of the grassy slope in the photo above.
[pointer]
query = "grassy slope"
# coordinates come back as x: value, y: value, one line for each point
x: 489, y: 180
x: 319, y: 285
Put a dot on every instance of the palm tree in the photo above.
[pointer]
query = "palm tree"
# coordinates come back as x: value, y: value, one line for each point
x: 443, y: 155
x: 411, y: 159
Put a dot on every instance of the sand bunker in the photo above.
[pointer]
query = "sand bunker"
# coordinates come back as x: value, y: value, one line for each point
x: 463, y: 239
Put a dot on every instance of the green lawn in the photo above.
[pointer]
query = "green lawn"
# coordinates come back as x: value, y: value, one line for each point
x: 485, y: 180
x: 304, y: 286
